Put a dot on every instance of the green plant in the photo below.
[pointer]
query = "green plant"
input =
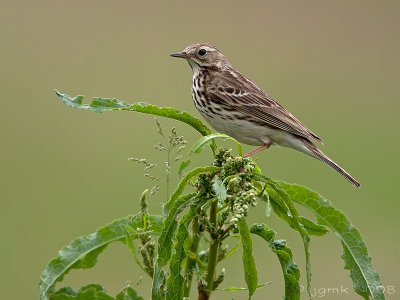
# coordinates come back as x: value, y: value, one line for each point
x: 209, y: 205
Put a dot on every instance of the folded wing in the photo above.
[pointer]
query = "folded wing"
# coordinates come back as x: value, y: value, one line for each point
x: 251, y: 100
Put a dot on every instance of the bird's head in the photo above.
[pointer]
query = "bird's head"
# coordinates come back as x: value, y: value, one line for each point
x: 203, y: 55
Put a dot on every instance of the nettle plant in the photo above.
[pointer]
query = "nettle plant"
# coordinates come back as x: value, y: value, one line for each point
x: 208, y: 207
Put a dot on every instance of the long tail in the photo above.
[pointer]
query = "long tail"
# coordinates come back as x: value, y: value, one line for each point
x: 315, y: 152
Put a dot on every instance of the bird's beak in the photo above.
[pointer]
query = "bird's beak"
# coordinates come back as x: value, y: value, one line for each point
x: 181, y: 54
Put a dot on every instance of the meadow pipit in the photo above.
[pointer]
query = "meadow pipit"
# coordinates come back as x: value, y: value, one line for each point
x: 233, y: 104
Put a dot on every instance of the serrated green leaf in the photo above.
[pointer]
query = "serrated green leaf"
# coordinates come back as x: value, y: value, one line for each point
x: 168, y: 231
x: 365, y: 278
x: 183, y: 183
x: 157, y: 290
x: 359, y: 283
x: 291, y: 273
x: 165, y: 243
x: 279, y: 206
x: 176, y: 282
x: 88, y: 292
x: 249, y: 266
x: 263, y: 231
x: 83, y: 251
x: 183, y: 165
x: 203, y: 141
x: 313, y: 228
x: 174, y: 206
x: 63, y: 293
x: 282, y: 211
x: 106, y: 104
x: 277, y: 193
x: 94, y: 292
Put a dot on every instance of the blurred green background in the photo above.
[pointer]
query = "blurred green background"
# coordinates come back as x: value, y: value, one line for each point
x: 64, y: 172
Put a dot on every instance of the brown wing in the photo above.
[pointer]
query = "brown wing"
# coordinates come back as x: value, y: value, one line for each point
x: 239, y: 92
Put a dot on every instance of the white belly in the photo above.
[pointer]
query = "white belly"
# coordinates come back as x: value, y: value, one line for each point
x: 253, y: 134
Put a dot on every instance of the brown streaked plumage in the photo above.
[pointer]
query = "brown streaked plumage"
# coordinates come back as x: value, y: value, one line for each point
x: 233, y: 104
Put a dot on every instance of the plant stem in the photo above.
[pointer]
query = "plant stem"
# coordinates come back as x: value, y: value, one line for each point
x: 213, y: 252
x: 168, y: 169
x: 191, y: 261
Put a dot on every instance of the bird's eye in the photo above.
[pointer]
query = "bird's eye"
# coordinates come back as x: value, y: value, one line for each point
x: 202, y: 52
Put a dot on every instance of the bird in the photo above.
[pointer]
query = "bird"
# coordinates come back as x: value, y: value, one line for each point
x: 234, y: 105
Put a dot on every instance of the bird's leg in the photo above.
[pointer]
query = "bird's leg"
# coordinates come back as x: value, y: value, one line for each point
x: 259, y: 149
